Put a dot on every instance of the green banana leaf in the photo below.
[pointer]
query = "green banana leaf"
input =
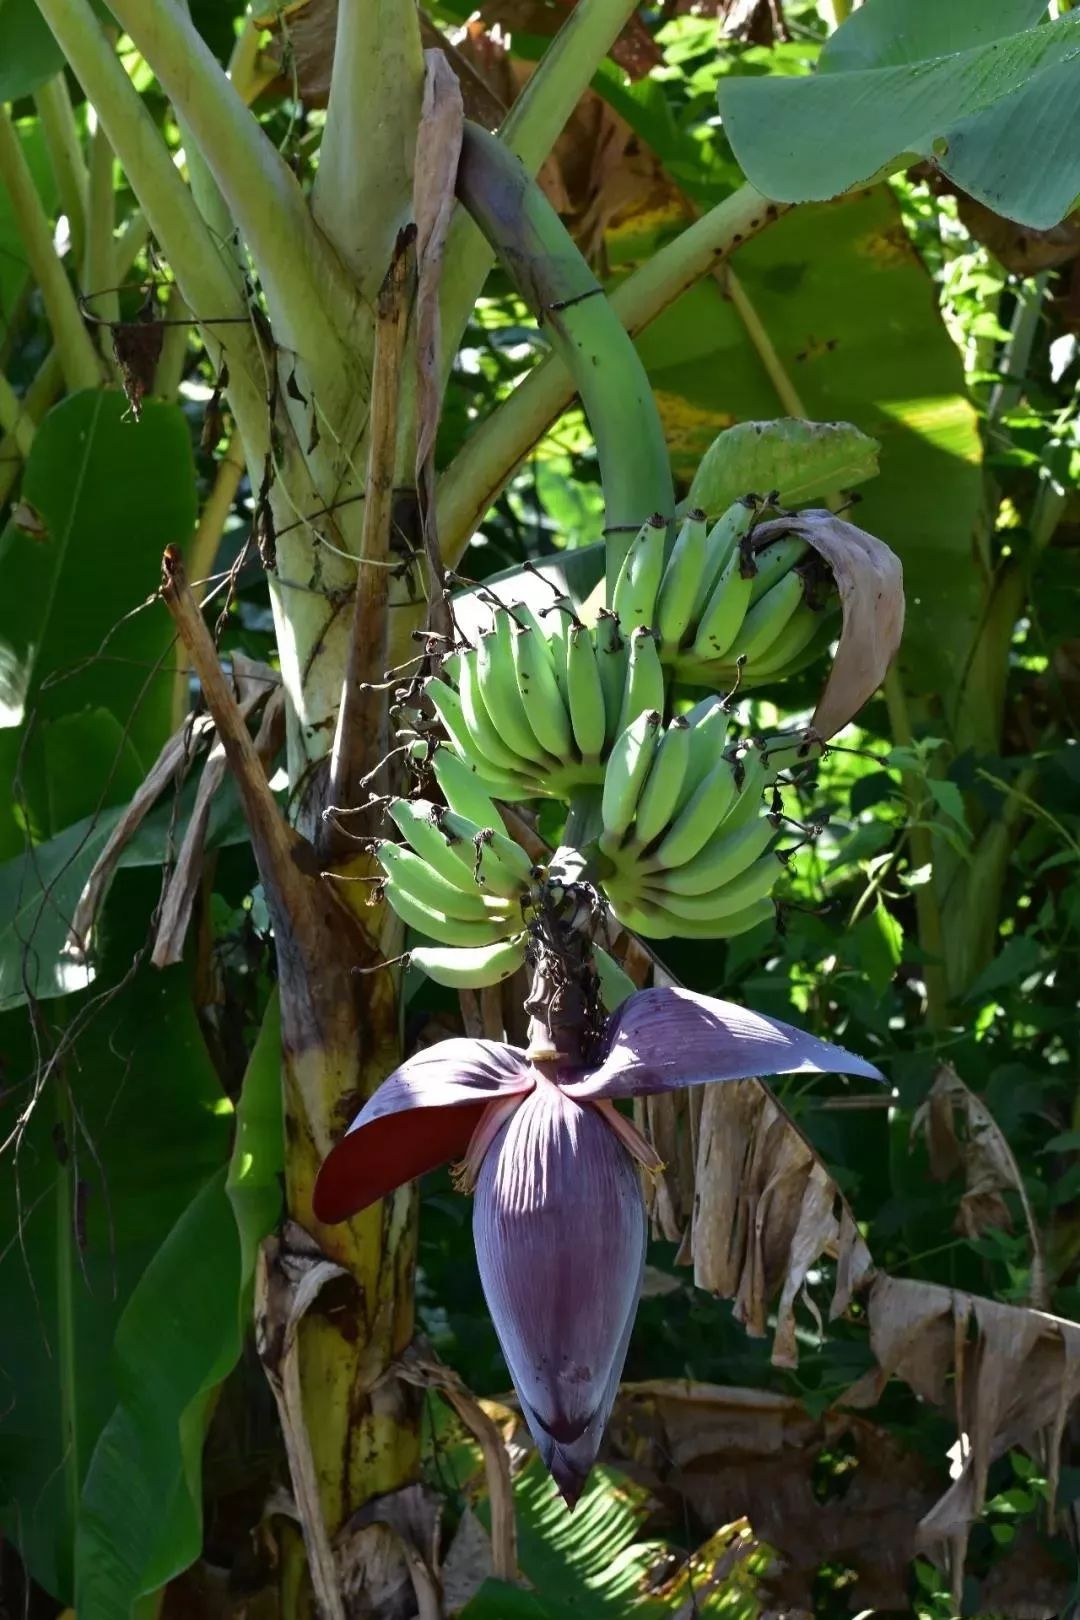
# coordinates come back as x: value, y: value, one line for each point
x: 30, y: 54
x: 140, y: 1517
x: 40, y: 888
x: 985, y: 92
x: 101, y: 497
x: 126, y: 1126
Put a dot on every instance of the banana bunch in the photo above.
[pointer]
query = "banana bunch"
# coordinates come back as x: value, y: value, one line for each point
x: 716, y: 600
x: 534, y: 711
x: 686, y: 846
x: 459, y: 880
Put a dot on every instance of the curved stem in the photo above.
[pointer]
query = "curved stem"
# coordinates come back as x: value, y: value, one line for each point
x: 99, y: 258
x: 57, y: 116
x: 82, y: 368
x: 474, y: 478
x: 530, y: 130
x: 15, y: 419
x: 549, y: 272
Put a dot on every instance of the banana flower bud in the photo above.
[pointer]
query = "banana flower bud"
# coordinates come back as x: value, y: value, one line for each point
x: 559, y: 1220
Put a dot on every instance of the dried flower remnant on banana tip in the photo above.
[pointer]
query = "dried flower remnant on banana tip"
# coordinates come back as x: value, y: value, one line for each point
x: 559, y: 1218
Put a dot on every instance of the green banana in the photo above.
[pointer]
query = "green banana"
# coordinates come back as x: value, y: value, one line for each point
x: 541, y: 695
x: 420, y: 823
x: 465, y: 789
x: 663, y: 785
x: 793, y: 639
x: 625, y: 774
x: 720, y: 544
x: 633, y: 599
x: 585, y: 693
x: 500, y: 864
x: 709, y: 722
x: 644, y: 687
x: 486, y: 735
x: 560, y: 619
x: 499, y: 690
x: 447, y: 705
x: 611, y: 657
x: 681, y: 582
x: 413, y: 875
x: 755, y: 882
x: 698, y: 819
x: 657, y: 922
x: 438, y: 925
x: 766, y: 621
x: 723, y: 858
x: 750, y: 776
x: 774, y: 562
x: 469, y: 967
x: 724, y: 612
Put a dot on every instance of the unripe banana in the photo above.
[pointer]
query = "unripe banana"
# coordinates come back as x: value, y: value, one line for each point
x: 725, y: 610
x: 541, y: 695
x: 585, y: 693
x: 625, y: 774
x: 765, y: 622
x: 699, y: 818
x: 499, y: 689
x: 447, y: 705
x: 483, y: 732
x: 709, y: 722
x: 633, y: 598
x: 437, y: 925
x: 776, y: 560
x: 657, y: 922
x: 501, y: 865
x: 755, y: 882
x: 723, y: 539
x: 723, y: 858
x: 644, y: 687
x: 681, y: 582
x: 421, y: 825
x: 413, y: 875
x: 794, y: 638
x: 612, y: 656
x: 663, y: 785
x: 559, y: 620
x: 751, y: 775
x: 469, y: 967
x: 465, y: 789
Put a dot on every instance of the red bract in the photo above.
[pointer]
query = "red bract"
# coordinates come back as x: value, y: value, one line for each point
x: 559, y: 1223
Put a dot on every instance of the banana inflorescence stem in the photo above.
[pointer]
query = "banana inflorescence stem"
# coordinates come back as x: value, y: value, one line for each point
x: 545, y: 266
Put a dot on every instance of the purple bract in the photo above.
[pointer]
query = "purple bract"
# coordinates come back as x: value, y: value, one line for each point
x: 559, y: 1220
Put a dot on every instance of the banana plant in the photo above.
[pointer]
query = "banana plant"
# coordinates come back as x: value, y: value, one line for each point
x: 328, y: 318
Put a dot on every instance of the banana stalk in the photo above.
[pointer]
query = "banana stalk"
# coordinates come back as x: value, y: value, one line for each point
x: 541, y: 260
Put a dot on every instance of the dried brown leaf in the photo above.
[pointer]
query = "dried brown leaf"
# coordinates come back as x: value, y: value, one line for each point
x: 729, y: 1451
x: 176, y: 905
x: 871, y: 584
x: 1014, y: 1371
x: 171, y: 766
x: 962, y: 1134
x: 766, y: 1211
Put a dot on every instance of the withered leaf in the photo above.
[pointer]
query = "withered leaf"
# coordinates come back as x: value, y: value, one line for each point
x: 961, y: 1133
x: 871, y: 584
